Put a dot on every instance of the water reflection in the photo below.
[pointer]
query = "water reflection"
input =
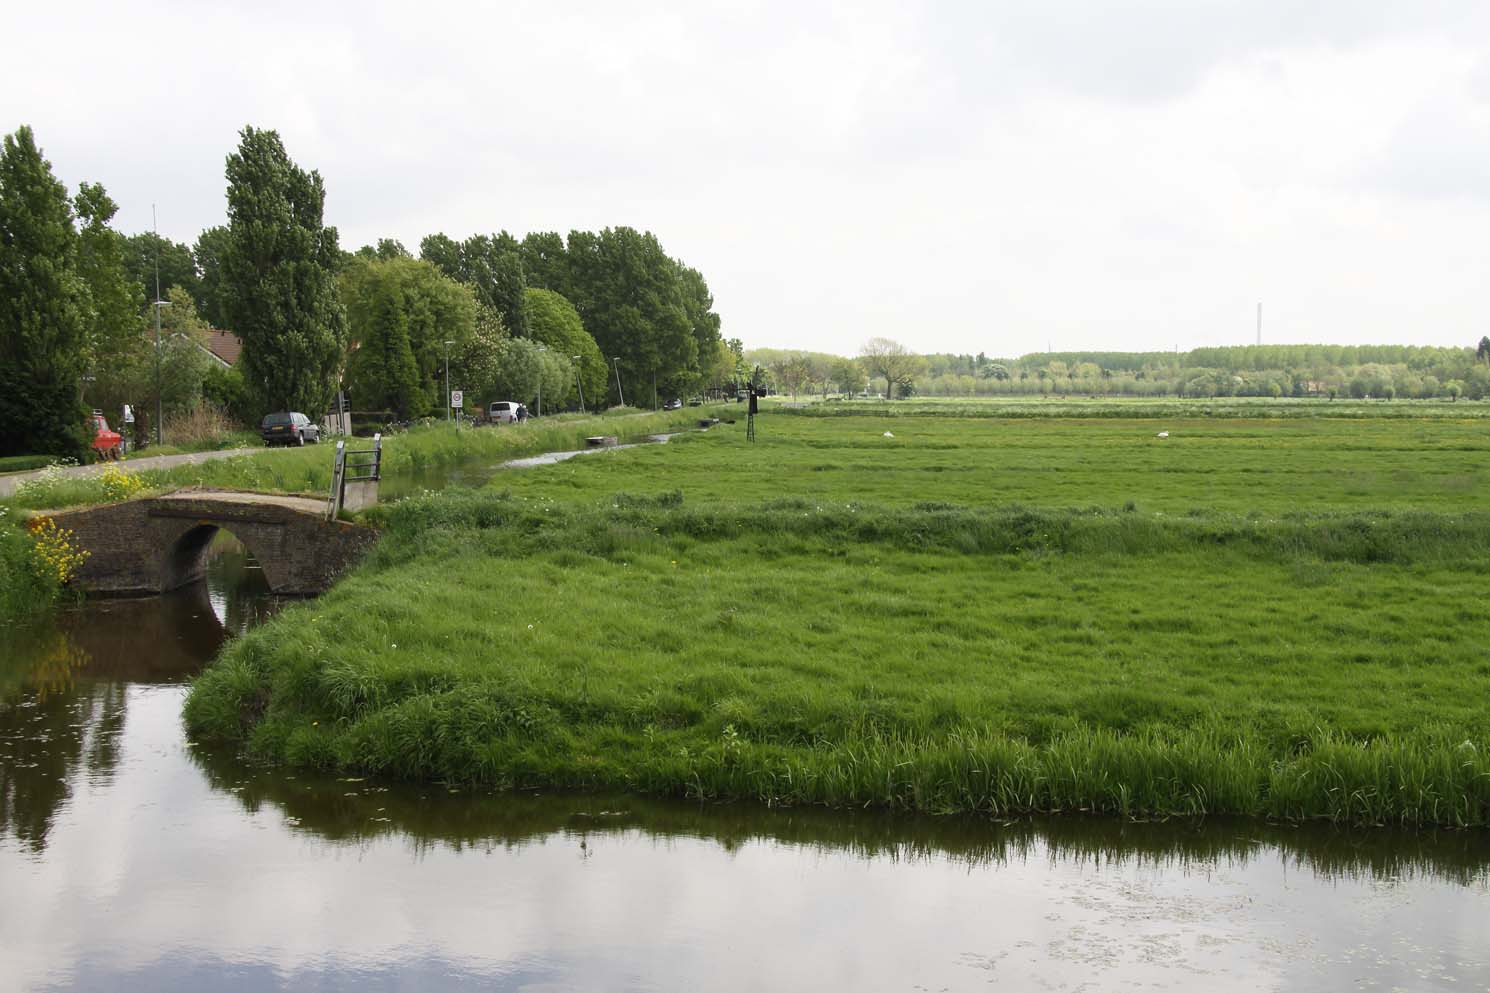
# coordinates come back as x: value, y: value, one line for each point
x: 63, y: 685
x: 354, y: 810
x: 131, y: 860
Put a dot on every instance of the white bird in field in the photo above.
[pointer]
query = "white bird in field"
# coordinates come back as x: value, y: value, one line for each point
x: 1164, y: 434
x: 889, y: 435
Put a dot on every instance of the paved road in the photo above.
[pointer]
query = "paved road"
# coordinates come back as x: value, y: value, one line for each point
x: 8, y: 483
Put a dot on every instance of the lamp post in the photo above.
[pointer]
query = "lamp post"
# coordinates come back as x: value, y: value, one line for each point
x: 579, y: 385
x: 159, y: 303
x: 616, y: 359
x: 447, y: 379
x: 159, y: 405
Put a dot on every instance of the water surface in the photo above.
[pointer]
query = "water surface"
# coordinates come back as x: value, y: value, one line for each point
x: 130, y: 860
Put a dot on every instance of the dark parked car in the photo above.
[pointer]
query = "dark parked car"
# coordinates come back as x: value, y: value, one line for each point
x: 289, y: 428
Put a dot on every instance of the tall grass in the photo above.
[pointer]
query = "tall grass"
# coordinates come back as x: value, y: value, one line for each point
x: 933, y: 658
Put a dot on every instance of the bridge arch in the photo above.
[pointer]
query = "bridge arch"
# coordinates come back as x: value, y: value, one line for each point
x: 186, y: 560
x: 159, y: 543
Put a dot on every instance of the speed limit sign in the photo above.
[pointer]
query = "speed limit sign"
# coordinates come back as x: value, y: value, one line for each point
x: 457, y: 398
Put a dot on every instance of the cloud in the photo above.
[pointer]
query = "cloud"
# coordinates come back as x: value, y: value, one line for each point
x: 977, y: 177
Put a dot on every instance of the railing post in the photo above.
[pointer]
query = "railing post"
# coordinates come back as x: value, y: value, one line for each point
x: 338, y: 477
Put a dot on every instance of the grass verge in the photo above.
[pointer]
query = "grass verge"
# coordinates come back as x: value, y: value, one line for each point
x: 932, y: 658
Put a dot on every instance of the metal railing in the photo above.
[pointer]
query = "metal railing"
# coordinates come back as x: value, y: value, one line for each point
x: 362, y: 465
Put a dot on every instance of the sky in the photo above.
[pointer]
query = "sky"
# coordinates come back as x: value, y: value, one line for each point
x: 983, y: 176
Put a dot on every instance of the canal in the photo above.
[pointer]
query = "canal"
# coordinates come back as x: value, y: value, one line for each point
x: 132, y: 860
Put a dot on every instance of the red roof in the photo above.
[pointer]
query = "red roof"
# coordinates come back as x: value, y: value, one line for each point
x: 225, y: 345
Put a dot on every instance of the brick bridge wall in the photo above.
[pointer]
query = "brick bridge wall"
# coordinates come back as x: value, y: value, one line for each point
x: 154, y: 545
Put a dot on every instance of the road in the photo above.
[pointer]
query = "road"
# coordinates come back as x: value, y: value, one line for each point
x: 8, y: 483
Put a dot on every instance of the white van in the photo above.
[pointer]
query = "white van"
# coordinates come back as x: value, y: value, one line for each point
x: 504, y: 412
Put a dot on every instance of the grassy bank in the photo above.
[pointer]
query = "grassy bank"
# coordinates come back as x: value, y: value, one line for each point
x: 308, y: 470
x: 25, y: 589
x: 644, y: 620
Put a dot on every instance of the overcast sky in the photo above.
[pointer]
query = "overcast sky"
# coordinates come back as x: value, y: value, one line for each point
x: 980, y: 176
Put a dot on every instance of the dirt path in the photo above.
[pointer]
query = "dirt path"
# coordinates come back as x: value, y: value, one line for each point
x: 8, y: 483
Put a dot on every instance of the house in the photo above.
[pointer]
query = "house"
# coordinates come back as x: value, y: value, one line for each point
x: 223, y: 346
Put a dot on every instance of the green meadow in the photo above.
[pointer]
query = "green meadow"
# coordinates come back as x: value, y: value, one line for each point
x: 1275, y: 617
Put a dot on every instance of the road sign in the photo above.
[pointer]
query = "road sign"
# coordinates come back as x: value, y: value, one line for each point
x: 457, y: 398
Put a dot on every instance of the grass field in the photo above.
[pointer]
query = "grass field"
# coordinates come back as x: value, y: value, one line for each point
x: 1241, y: 466
x: 1280, y: 618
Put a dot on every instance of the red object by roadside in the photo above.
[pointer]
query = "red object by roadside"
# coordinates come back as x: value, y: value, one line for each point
x: 108, y: 444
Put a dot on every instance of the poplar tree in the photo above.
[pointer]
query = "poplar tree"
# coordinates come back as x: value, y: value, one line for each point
x: 278, y: 279
x: 44, y: 308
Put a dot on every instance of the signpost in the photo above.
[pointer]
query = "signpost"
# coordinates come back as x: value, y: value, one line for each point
x: 458, y: 401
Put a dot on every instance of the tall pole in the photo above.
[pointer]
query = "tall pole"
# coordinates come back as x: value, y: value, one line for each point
x: 159, y: 406
x: 1259, y: 322
x: 619, y: 395
x: 654, y: 390
x: 579, y: 385
x: 447, y: 380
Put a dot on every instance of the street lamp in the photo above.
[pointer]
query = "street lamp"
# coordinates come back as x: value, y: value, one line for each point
x: 159, y: 303
x: 159, y: 406
x: 616, y: 359
x: 447, y: 379
x: 578, y: 385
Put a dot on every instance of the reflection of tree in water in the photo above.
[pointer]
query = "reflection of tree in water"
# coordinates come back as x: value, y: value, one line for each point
x: 47, y: 741
x: 64, y: 688
x: 354, y: 811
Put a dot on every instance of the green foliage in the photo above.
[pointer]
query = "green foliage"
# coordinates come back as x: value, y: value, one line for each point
x: 25, y: 590
x: 21, y: 463
x: 225, y: 390
x: 401, y: 313
x: 520, y: 365
x: 45, y: 308
x: 114, y: 300
x: 178, y: 266
x: 491, y: 266
x: 553, y: 321
x: 631, y: 298
x: 207, y: 253
x: 940, y: 650
x: 1408, y: 372
x: 278, y: 289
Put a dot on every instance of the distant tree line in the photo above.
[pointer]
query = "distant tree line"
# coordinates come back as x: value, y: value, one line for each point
x: 546, y: 315
x: 1384, y: 372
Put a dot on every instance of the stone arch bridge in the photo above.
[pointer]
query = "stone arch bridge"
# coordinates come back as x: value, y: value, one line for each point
x: 152, y: 545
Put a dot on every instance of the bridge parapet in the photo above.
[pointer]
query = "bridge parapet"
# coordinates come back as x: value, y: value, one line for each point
x: 152, y: 545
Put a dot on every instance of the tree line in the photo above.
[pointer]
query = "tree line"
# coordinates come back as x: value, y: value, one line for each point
x: 1385, y: 372
x: 589, y: 314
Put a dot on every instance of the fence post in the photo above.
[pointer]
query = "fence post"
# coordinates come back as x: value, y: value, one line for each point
x: 338, y: 475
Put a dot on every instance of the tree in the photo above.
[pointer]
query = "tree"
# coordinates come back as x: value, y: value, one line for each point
x: 278, y: 286
x: 400, y: 313
x: 114, y: 322
x: 1482, y: 353
x: 629, y: 294
x: 491, y: 266
x: 546, y: 261
x: 889, y: 360
x: 382, y: 372
x: 44, y: 308
x: 177, y: 267
x: 849, y: 375
x: 208, y: 253
x: 553, y: 321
